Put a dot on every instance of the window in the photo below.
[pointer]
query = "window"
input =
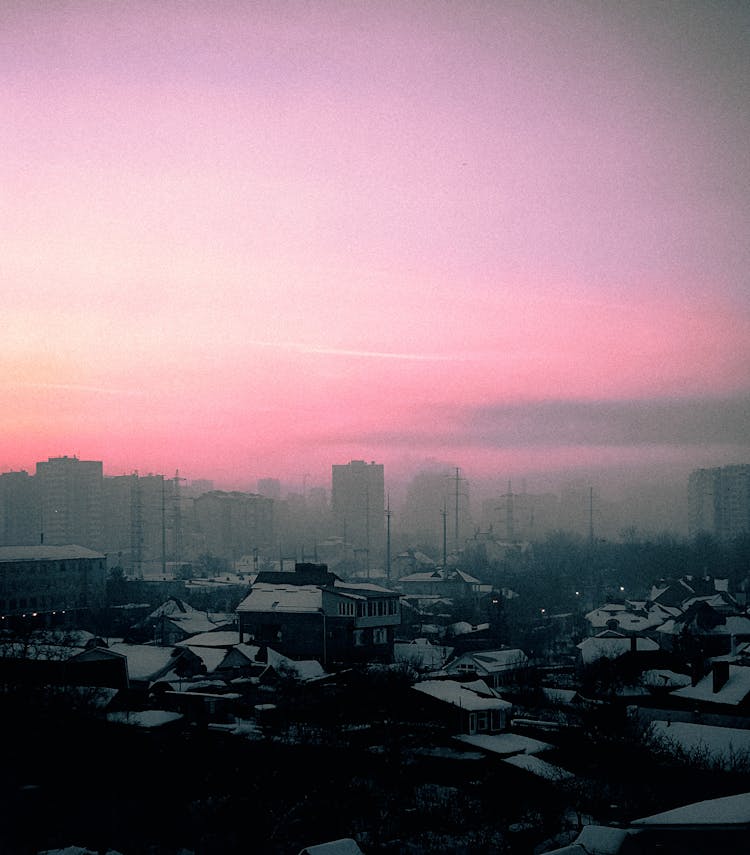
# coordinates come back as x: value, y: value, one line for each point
x: 381, y: 608
x: 482, y: 721
x: 379, y: 636
x: 472, y: 722
x: 359, y: 638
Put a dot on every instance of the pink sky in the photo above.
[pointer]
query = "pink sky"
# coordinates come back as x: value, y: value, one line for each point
x: 255, y: 239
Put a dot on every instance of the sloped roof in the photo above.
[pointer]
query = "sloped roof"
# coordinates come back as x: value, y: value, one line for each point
x: 493, y: 660
x: 282, y: 598
x: 611, y: 645
x: 67, y: 552
x: 729, y: 810
x: 304, y: 670
x: 145, y: 661
x: 476, y: 695
x: 218, y: 638
x: 733, y: 692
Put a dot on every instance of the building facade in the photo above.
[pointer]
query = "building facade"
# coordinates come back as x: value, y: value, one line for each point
x: 43, y: 580
x: 358, y: 505
x: 70, y: 494
x: 719, y: 501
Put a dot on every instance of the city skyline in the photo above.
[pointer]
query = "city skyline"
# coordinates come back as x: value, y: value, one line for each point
x: 252, y: 241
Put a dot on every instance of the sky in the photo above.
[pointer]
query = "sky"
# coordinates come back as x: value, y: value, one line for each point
x: 250, y: 240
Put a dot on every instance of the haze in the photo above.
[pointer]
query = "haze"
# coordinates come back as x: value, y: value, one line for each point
x: 257, y: 239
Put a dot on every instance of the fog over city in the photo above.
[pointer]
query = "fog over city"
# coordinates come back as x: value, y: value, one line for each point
x: 375, y: 418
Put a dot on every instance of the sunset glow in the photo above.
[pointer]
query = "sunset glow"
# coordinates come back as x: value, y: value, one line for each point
x: 256, y: 239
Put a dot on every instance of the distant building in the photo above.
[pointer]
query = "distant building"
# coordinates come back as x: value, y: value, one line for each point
x: 719, y: 501
x: 233, y: 524
x: 270, y: 488
x: 71, y: 493
x: 20, y: 518
x: 141, y: 521
x: 49, y: 580
x: 358, y: 500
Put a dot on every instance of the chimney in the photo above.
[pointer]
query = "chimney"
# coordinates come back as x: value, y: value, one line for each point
x: 720, y: 674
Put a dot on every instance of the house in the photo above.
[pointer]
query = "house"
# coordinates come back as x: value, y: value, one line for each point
x: 421, y: 654
x: 313, y: 614
x: 497, y: 667
x: 148, y: 664
x: 451, y: 584
x: 473, y: 707
x: 174, y: 621
x: 611, y: 645
x: 52, y: 659
x: 715, y: 825
x: 726, y: 688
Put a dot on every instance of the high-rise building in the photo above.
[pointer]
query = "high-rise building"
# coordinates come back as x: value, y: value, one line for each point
x: 70, y: 492
x: 20, y: 523
x: 358, y: 503
x: 719, y: 501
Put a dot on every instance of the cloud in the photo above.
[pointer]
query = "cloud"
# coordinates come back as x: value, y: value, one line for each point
x: 364, y: 354
x: 580, y: 424
x: 76, y: 387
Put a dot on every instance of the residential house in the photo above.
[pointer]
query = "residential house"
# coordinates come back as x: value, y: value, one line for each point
x: 473, y: 707
x: 612, y: 645
x: 497, y: 667
x: 325, y: 619
x: 148, y: 664
x: 725, y: 689
x: 174, y: 621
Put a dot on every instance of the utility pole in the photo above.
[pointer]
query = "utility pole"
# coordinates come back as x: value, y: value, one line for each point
x: 444, y: 515
x: 457, y: 479
x: 163, y: 528
x: 388, y: 537
x: 367, y: 529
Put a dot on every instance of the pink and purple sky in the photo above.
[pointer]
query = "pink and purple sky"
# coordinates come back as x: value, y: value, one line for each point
x: 255, y: 239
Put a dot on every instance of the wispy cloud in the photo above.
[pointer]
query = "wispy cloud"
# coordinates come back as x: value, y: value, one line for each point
x: 361, y: 354
x: 75, y: 387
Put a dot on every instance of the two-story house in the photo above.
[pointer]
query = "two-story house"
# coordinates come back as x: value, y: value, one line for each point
x: 312, y: 614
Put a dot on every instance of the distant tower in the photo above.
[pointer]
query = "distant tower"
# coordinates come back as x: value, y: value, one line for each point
x: 358, y: 497
x: 70, y: 494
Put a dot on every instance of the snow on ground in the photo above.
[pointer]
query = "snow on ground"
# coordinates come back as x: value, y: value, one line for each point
x: 717, y: 744
x: 505, y: 743
x: 538, y: 767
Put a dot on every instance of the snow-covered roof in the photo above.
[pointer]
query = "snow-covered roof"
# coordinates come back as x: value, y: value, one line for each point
x: 729, y: 810
x: 720, y: 745
x: 505, y: 744
x: 492, y: 660
x: 144, y: 718
x: 304, y: 670
x: 734, y: 691
x: 343, y: 846
x: 266, y: 597
x: 211, y: 657
x: 662, y: 677
x: 476, y: 695
x: 421, y: 653
x: 219, y: 638
x: 364, y: 588
x: 423, y: 576
x: 68, y: 552
x: 145, y: 661
x: 539, y: 767
x: 611, y: 645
